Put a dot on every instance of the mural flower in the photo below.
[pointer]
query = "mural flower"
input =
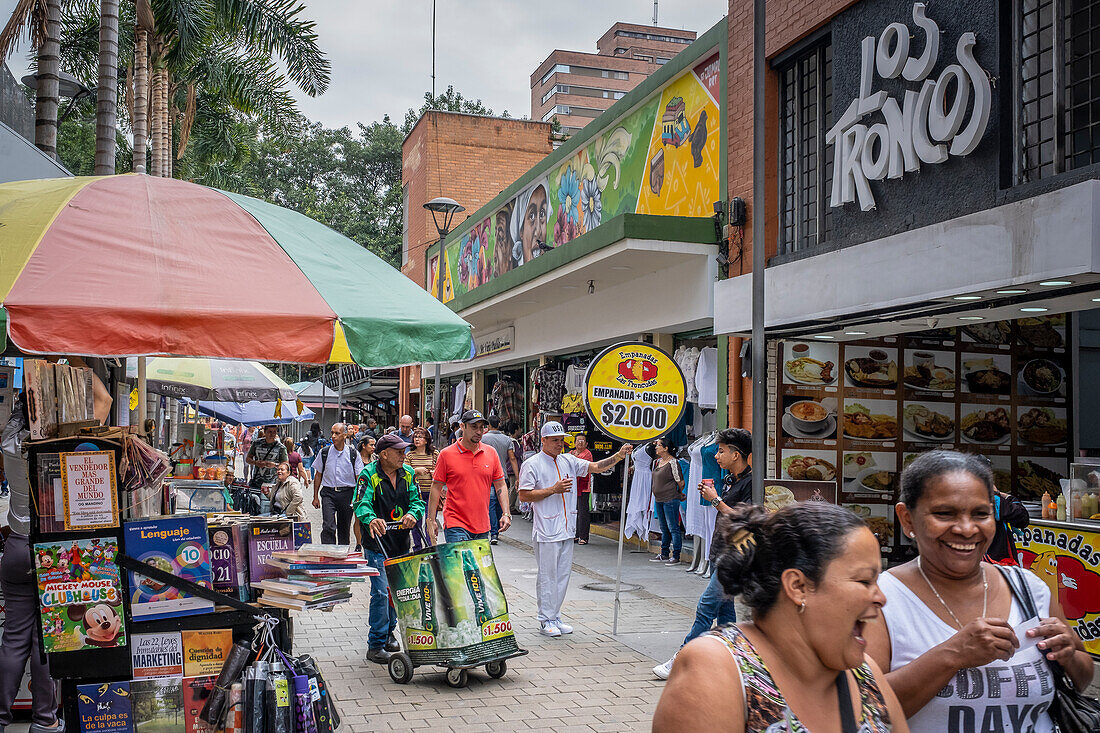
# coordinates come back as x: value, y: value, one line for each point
x: 569, y: 194
x: 591, y: 204
x: 566, y: 228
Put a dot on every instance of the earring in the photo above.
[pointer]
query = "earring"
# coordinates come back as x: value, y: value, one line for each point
x: 912, y: 535
x: 802, y: 608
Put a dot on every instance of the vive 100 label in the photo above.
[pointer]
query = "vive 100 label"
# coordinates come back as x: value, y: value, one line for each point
x: 635, y: 392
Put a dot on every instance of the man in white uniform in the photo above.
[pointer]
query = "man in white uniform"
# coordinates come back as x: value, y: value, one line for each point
x: 548, y: 481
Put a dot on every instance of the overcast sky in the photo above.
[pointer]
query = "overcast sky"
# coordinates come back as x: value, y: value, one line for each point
x: 381, y: 49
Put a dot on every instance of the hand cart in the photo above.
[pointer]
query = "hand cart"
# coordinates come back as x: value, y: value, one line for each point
x: 449, y: 589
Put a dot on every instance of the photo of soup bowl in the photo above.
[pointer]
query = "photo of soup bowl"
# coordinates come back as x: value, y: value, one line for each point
x: 808, y: 415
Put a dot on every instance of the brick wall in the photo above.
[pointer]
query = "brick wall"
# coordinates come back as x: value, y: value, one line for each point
x: 787, y: 22
x: 468, y: 158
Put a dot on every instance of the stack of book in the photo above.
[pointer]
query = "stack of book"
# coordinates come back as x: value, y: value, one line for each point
x: 313, y: 576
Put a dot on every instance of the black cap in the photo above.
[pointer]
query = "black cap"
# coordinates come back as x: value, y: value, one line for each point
x: 473, y: 416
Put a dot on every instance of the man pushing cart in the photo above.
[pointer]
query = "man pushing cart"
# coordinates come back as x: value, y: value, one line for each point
x: 448, y: 603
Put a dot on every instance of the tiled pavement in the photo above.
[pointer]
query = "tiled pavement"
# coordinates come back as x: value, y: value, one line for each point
x: 588, y: 681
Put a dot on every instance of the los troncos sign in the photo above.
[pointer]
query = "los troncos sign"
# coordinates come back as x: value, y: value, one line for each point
x: 879, y: 137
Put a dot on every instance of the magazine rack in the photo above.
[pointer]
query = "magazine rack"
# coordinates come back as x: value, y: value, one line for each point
x: 108, y: 664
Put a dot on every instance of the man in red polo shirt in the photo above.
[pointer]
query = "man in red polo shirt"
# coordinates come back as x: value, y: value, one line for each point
x: 470, y: 471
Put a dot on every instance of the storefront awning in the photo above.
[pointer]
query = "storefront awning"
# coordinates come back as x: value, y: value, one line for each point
x: 928, y: 272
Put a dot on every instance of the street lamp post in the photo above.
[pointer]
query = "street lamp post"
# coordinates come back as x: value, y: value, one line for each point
x: 444, y: 209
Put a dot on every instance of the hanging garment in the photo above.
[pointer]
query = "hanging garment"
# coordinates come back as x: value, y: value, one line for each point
x: 639, y: 509
x: 551, y: 386
x: 706, y: 378
x: 460, y: 399
x: 574, y: 378
x: 693, y: 522
x: 506, y: 397
x: 688, y: 362
x: 708, y: 514
x: 572, y: 403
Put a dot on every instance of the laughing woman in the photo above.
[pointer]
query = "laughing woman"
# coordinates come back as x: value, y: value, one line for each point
x: 959, y: 654
x: 809, y: 573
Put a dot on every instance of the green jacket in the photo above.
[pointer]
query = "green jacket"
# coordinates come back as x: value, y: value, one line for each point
x: 367, y: 487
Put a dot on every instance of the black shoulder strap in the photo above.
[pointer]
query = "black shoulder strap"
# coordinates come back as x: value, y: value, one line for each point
x: 844, y: 699
x: 1019, y: 589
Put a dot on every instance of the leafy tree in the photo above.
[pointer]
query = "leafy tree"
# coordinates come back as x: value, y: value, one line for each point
x: 448, y: 101
x: 348, y: 180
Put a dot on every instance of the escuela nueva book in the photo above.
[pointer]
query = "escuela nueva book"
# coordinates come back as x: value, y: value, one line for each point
x: 177, y: 545
x: 79, y: 594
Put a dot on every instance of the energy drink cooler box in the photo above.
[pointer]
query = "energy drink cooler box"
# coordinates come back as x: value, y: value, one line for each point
x: 451, y: 612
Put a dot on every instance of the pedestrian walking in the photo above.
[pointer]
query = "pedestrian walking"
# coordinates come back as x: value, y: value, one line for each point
x: 385, y: 491
x: 734, y: 449
x: 334, y: 478
x: 265, y: 456
x: 808, y: 572
x: 422, y: 457
x: 287, y: 497
x: 548, y: 481
x: 952, y: 622
x: 584, y: 491
x: 21, y: 642
x: 469, y: 470
x: 294, y: 458
x: 668, y: 492
x: 502, y: 444
x: 405, y: 429
x: 246, y: 445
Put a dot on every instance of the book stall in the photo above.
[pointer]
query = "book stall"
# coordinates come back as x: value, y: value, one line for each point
x: 150, y: 607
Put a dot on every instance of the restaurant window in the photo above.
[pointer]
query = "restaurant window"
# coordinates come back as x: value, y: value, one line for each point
x: 805, y: 169
x: 1057, y: 70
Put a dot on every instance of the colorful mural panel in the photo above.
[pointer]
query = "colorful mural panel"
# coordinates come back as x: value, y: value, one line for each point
x: 683, y: 159
x: 661, y: 158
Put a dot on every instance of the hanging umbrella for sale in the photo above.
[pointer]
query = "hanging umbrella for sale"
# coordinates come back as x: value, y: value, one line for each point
x: 219, y: 380
x: 135, y: 265
x: 254, y: 413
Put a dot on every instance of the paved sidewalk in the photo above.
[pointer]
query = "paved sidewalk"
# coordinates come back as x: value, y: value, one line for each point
x: 589, y: 681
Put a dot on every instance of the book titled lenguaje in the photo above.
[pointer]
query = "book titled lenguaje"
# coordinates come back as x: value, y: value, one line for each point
x: 205, y: 650
x: 80, y: 595
x: 104, y: 707
x: 177, y: 545
x: 156, y: 655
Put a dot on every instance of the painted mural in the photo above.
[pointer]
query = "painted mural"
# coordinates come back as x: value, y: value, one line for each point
x: 662, y: 158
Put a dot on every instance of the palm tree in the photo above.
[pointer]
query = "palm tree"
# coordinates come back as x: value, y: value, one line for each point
x: 107, y: 88
x: 43, y: 19
x: 139, y: 115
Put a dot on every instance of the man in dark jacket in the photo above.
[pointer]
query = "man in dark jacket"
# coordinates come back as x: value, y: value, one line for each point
x: 734, y: 449
x: 387, y: 505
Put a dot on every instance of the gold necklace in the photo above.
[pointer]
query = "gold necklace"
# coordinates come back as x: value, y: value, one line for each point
x: 985, y: 594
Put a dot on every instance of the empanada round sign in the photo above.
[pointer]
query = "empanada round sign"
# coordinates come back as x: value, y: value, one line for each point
x: 635, y: 392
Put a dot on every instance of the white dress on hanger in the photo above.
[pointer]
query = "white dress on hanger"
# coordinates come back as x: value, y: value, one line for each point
x: 706, y: 378
x: 693, y: 522
x: 639, y: 510
x: 689, y: 362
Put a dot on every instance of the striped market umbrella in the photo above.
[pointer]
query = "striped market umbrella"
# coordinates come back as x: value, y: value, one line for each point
x: 219, y: 380
x: 135, y: 265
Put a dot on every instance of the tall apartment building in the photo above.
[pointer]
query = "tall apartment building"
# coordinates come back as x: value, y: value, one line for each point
x: 577, y: 87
